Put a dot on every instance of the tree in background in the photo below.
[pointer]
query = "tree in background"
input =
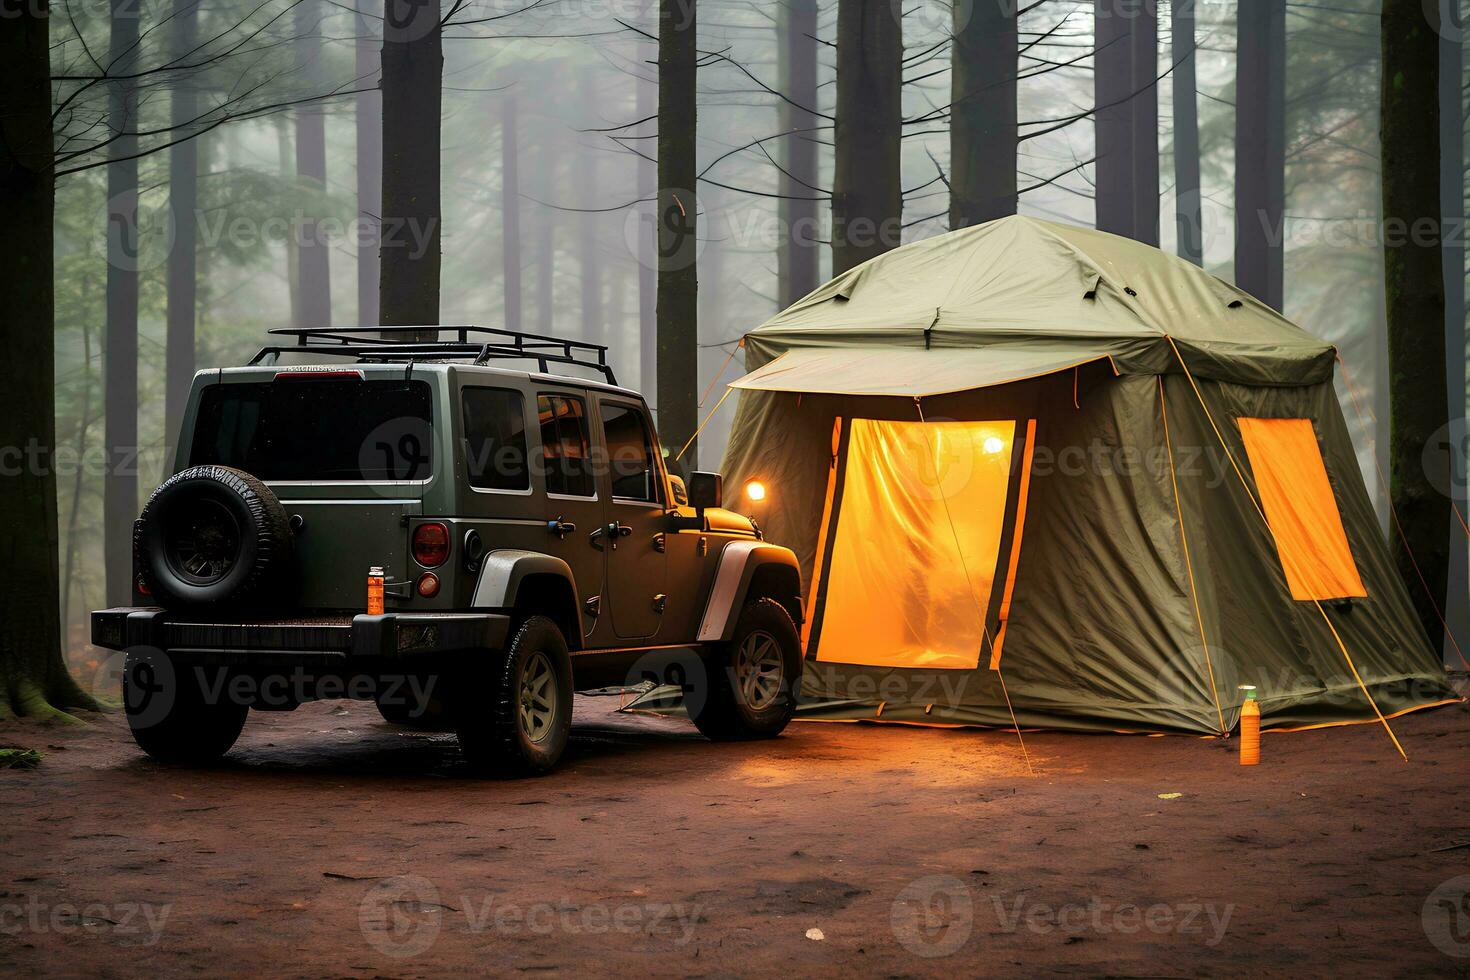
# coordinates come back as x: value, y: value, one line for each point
x: 589, y: 267
x: 313, y: 253
x: 368, y: 122
x: 1414, y: 290
x: 120, y: 345
x: 510, y: 209
x: 1188, y: 216
x: 1452, y: 188
x: 1125, y: 77
x: 1260, y: 149
x: 799, y: 183
x: 678, y: 278
x: 982, y: 128
x: 645, y: 101
x: 867, y: 193
x: 33, y: 679
x: 413, y: 66
x: 183, y: 202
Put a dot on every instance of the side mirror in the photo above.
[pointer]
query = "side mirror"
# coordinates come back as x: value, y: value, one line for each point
x: 679, y: 492
x: 706, y: 489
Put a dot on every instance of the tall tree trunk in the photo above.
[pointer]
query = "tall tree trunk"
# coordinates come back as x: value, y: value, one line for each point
x: 120, y: 487
x: 1145, y: 115
x: 183, y: 202
x: 797, y: 259
x: 1414, y: 287
x: 73, y: 517
x: 1452, y: 188
x: 1126, y: 118
x: 1260, y: 149
x: 510, y: 210
x: 1188, y: 215
x: 368, y: 119
x: 867, y: 196
x: 413, y: 66
x: 646, y: 98
x: 678, y: 281
x: 33, y: 678
x: 589, y: 264
x: 313, y: 252
x: 545, y: 257
x: 286, y: 164
x: 982, y: 130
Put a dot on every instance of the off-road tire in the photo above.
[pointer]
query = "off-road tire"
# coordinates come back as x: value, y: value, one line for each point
x: 489, y: 701
x: 263, y: 564
x: 726, y: 712
x: 173, y: 715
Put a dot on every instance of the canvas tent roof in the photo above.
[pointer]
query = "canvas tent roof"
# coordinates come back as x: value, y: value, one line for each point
x: 1034, y: 293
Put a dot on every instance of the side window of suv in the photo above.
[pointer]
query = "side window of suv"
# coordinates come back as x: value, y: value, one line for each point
x: 565, y: 447
x: 629, y: 453
x: 495, y: 439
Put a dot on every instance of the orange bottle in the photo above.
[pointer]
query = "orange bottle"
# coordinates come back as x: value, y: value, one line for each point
x: 1250, y: 727
x: 375, y: 591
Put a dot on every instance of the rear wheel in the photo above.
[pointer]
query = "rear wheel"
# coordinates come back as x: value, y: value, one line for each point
x: 514, y: 710
x: 177, y: 714
x: 753, y: 679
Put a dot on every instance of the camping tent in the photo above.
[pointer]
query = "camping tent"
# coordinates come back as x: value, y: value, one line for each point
x: 1037, y: 468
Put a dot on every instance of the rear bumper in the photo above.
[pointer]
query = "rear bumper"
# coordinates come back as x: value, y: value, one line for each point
x: 359, y: 640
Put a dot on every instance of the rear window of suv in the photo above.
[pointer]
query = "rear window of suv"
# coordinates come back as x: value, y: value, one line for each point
x: 330, y: 429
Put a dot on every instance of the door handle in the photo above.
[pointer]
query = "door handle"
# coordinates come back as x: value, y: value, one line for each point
x: 612, y: 532
x: 561, y: 528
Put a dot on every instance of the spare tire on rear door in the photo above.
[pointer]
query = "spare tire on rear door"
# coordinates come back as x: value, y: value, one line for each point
x: 212, y: 535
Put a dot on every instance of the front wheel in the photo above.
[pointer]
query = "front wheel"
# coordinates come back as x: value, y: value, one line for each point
x: 179, y: 714
x: 753, y: 679
x: 513, y: 714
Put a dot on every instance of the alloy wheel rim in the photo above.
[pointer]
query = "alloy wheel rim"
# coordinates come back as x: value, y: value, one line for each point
x: 538, y: 698
x: 759, y: 670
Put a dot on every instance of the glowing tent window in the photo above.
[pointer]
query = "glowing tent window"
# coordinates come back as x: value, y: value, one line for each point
x: 918, y: 535
x: 1301, y: 508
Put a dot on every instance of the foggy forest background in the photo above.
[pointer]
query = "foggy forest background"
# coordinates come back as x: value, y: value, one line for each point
x: 255, y: 121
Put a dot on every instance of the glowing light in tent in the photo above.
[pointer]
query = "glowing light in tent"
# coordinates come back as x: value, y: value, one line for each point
x: 755, y: 490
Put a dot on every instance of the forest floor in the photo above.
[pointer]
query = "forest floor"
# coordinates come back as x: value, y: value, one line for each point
x: 329, y: 843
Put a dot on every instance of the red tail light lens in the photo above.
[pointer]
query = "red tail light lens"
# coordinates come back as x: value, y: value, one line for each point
x: 431, y: 545
x: 428, y: 586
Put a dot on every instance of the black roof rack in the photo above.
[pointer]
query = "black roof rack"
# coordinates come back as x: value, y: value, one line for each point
x: 369, y: 344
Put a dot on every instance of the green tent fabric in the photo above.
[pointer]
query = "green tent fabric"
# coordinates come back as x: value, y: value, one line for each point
x: 1069, y: 343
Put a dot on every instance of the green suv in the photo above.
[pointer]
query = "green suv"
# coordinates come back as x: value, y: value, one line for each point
x: 453, y: 528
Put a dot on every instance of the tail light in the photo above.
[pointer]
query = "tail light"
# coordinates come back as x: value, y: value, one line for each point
x: 431, y: 545
x: 428, y: 585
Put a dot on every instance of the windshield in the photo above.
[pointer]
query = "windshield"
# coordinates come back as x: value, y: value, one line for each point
x: 317, y: 429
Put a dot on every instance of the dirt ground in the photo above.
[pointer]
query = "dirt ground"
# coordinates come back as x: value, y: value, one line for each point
x: 330, y: 843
